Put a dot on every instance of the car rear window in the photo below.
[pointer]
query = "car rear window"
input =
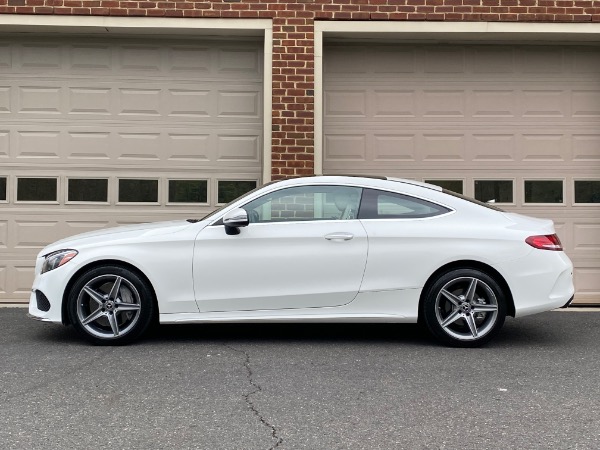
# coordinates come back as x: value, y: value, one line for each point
x: 378, y: 204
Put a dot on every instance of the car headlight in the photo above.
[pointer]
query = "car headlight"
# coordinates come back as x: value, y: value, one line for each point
x: 57, y: 259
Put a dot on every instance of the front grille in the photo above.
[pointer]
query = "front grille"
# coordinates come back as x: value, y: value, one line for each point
x: 42, y: 301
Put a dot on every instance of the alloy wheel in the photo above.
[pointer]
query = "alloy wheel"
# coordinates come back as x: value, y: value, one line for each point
x: 108, y: 306
x: 466, y: 308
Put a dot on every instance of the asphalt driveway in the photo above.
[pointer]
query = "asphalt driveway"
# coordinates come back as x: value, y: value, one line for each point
x: 536, y: 386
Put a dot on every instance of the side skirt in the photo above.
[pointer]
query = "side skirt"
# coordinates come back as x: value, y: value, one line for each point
x: 378, y: 306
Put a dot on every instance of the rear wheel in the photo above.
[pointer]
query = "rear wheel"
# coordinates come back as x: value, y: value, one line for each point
x: 464, y: 308
x: 110, y: 305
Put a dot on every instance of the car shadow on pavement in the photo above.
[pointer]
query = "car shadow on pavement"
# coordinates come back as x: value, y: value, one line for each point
x: 292, y: 332
x: 525, y: 332
x: 514, y: 333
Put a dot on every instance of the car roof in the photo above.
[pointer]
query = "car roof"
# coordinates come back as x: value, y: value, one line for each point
x: 365, y: 179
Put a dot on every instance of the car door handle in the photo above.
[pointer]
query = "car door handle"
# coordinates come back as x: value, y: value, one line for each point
x: 339, y: 236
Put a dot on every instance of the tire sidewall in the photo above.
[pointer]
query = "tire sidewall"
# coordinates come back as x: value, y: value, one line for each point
x: 146, y: 304
x: 429, y: 313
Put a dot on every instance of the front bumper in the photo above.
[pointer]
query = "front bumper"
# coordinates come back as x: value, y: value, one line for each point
x: 45, y: 301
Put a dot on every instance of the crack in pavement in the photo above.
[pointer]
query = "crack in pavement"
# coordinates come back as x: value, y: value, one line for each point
x: 250, y: 403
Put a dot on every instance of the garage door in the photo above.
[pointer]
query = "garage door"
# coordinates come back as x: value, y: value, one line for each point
x: 516, y: 124
x: 98, y: 133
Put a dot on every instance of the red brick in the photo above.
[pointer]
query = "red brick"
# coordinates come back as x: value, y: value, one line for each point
x: 582, y: 18
x: 434, y: 16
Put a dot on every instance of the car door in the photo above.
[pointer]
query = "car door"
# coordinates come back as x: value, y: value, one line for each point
x: 407, y: 240
x: 303, y: 248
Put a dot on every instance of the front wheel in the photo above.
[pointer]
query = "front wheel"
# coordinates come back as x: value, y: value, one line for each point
x: 110, y: 305
x: 464, y: 308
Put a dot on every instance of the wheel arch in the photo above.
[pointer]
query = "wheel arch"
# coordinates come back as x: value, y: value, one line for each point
x: 470, y: 264
x: 100, y: 263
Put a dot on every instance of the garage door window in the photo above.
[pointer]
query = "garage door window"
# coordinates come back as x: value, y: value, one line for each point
x: 451, y: 185
x: 544, y: 191
x: 138, y: 191
x: 188, y: 191
x: 37, y: 189
x: 229, y: 190
x: 499, y: 191
x: 2, y: 189
x: 587, y: 191
x: 93, y: 190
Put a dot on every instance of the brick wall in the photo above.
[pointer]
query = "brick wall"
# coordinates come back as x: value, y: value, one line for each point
x: 293, y: 47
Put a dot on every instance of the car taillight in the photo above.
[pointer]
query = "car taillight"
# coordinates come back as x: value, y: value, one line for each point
x: 545, y: 242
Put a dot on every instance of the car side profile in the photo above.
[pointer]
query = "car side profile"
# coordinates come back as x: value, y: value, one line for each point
x: 314, y: 249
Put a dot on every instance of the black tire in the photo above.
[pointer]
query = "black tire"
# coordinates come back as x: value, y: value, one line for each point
x: 110, y: 305
x: 464, y: 308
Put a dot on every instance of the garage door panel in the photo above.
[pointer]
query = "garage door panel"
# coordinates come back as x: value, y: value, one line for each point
x: 586, y: 104
x: 586, y: 147
x: 394, y: 103
x: 493, y: 147
x: 346, y: 147
x: 525, y: 116
x: 443, y: 103
x: 206, y: 145
x: 585, y: 279
x: 86, y: 101
x: 34, y: 144
x: 240, y: 148
x: 393, y: 147
x: 493, y: 104
x: 544, y: 147
x: 3, y: 234
x: 491, y: 60
x: 126, y: 101
x: 541, y: 60
x: 545, y: 103
x: 585, y: 60
x: 509, y: 146
x: 511, y: 107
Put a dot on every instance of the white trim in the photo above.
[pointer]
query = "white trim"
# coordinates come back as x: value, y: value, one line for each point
x: 107, y: 26
x: 267, y: 105
x: 486, y: 32
x: 132, y: 25
x: 318, y: 120
x: 479, y: 31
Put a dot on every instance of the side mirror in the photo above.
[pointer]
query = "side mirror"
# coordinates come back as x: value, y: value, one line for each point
x: 235, y: 219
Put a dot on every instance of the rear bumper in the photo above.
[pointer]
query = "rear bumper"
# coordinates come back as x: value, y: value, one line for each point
x: 540, y: 281
x: 566, y: 305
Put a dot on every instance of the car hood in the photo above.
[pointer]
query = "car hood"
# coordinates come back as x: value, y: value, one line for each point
x: 128, y: 232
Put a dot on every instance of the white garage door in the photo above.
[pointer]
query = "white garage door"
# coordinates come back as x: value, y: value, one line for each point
x: 102, y: 132
x: 517, y: 124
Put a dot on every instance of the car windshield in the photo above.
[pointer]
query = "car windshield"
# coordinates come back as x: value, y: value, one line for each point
x: 472, y: 200
x: 216, y: 211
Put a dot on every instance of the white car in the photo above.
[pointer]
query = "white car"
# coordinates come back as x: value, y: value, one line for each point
x: 315, y: 249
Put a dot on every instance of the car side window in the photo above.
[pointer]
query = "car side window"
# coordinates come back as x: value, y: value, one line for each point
x: 306, y: 203
x: 390, y: 205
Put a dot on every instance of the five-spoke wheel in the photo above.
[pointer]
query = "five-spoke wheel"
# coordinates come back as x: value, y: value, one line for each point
x: 110, y: 305
x: 464, y: 307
